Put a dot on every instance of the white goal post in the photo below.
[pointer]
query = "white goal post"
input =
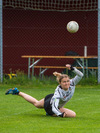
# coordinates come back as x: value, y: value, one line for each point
x: 1, y: 44
x: 98, y: 41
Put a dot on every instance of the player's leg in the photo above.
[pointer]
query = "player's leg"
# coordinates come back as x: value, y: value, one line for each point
x: 35, y: 102
x: 68, y: 112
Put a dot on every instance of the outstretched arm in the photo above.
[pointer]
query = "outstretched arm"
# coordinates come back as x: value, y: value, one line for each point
x: 78, y: 73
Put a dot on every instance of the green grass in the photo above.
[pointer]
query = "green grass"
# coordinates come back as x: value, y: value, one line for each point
x: 19, y: 116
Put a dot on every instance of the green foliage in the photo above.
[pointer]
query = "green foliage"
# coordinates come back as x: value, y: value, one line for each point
x: 91, y: 80
x: 22, y: 79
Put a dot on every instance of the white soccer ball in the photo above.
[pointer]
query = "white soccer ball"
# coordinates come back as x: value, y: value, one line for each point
x: 72, y: 27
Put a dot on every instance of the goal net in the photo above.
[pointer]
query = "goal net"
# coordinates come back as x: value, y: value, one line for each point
x: 53, y: 5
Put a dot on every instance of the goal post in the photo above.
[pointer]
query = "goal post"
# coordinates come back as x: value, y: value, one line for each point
x: 98, y: 41
x: 1, y: 44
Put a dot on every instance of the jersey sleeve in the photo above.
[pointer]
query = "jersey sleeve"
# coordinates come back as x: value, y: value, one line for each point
x: 55, y: 103
x: 78, y: 76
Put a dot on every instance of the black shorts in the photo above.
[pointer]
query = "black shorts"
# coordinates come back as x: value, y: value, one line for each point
x: 47, y: 105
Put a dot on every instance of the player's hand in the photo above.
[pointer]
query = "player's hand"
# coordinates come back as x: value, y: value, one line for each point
x: 65, y: 115
x: 68, y: 66
x: 56, y: 74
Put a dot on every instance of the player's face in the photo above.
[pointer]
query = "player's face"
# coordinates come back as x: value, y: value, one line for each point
x: 65, y: 83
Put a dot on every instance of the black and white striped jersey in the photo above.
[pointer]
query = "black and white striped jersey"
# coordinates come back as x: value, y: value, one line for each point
x: 61, y: 97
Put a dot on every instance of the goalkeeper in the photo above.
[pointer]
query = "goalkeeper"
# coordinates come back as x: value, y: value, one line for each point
x: 54, y: 103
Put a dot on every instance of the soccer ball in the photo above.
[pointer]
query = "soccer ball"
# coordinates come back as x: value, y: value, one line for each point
x: 72, y: 27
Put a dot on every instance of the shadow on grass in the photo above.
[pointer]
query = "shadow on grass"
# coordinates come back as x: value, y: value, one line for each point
x: 44, y: 116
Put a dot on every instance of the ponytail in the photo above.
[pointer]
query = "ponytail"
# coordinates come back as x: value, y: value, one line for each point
x: 57, y: 74
x: 60, y: 76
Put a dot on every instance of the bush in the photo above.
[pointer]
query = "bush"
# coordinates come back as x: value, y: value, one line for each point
x: 22, y: 79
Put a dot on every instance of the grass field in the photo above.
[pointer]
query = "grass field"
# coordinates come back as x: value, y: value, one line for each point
x: 19, y: 116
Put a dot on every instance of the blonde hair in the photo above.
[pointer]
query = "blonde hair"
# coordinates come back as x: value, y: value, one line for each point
x: 60, y: 76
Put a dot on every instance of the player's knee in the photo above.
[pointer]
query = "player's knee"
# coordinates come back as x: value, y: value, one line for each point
x: 74, y: 114
x: 38, y: 105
